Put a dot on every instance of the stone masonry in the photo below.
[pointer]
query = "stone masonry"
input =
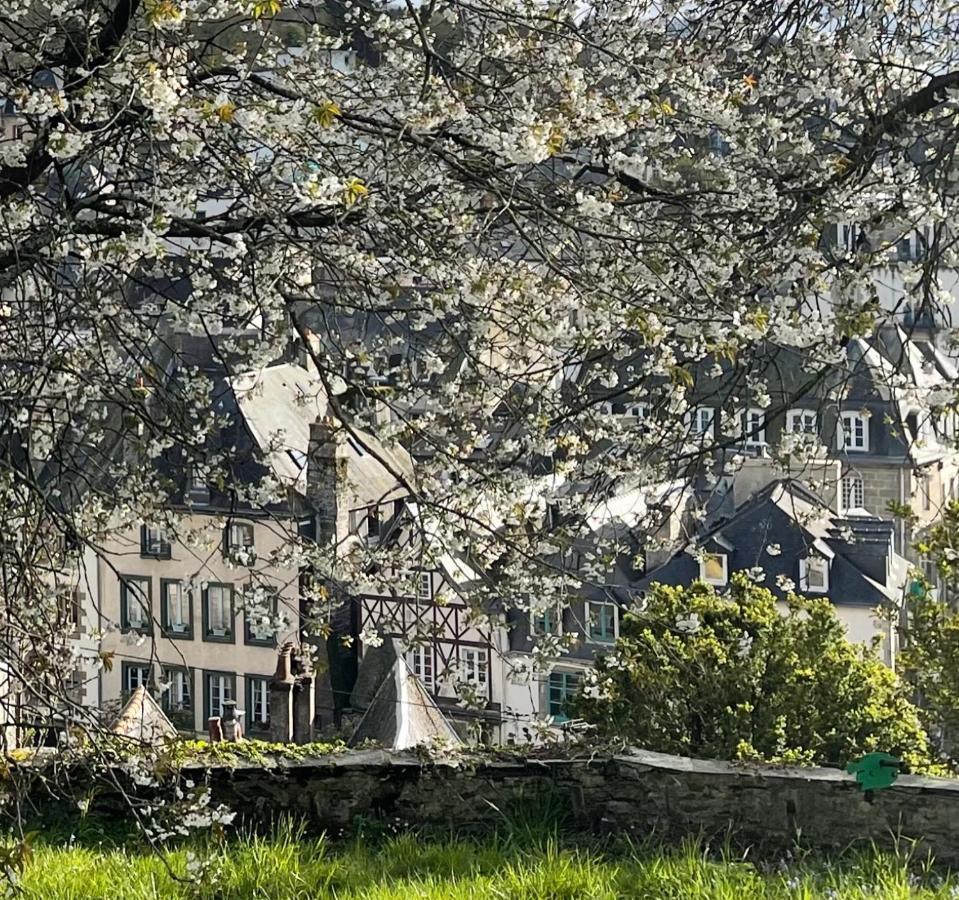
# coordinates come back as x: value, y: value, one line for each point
x: 638, y: 793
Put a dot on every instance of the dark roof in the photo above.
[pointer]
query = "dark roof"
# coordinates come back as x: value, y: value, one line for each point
x: 788, y: 516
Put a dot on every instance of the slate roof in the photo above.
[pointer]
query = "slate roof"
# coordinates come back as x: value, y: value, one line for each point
x: 864, y: 570
x: 402, y: 714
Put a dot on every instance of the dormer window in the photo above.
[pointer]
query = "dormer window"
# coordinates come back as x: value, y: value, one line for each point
x: 702, y: 421
x: 197, y: 489
x: 853, y: 432
x: 801, y: 421
x: 636, y: 411
x: 754, y: 428
x: 713, y: 569
x: 814, y: 575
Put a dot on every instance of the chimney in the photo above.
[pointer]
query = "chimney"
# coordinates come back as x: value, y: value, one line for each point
x: 281, y: 697
x: 326, y: 480
x: 304, y: 700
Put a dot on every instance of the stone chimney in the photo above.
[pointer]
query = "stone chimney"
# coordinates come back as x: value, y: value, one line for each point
x: 304, y: 700
x: 281, y: 697
x: 326, y: 480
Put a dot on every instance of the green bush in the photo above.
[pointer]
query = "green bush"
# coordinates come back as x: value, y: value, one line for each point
x: 733, y: 676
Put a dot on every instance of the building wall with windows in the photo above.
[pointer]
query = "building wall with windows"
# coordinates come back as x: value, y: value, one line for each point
x: 457, y: 658
x: 207, y: 630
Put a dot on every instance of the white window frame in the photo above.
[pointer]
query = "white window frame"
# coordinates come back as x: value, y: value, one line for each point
x: 218, y: 697
x: 424, y: 586
x: 179, y: 695
x: 605, y: 408
x: 474, y: 667
x: 752, y: 436
x: 636, y: 411
x: 702, y: 569
x: 849, y: 493
x: 699, y: 425
x: 143, y: 678
x: 804, y: 570
x: 849, y: 421
x: 802, y: 417
x: 260, y: 700
x: 589, y: 621
x: 422, y: 662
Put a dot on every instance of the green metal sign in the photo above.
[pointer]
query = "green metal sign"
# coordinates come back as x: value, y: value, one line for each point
x: 875, y: 771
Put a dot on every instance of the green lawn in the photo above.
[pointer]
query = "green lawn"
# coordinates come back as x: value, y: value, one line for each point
x: 513, y: 865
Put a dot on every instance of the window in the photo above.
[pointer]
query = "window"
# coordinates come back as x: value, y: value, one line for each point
x: 373, y: 525
x: 176, y: 609
x: 218, y: 612
x: 814, y: 575
x: 239, y: 539
x: 602, y: 622
x: 134, y: 675
x: 925, y: 489
x: 260, y: 615
x: 258, y: 703
x: 853, y: 495
x: 547, y: 621
x: 424, y: 587
x: 849, y: 235
x: 474, y: 667
x: 915, y: 244
x: 71, y: 603
x: 702, y: 421
x: 853, y: 432
x: 135, y: 603
x: 197, y: 489
x: 421, y: 664
x: 605, y: 408
x: 713, y: 568
x: 801, y: 421
x: 754, y: 428
x: 563, y: 687
x: 177, y: 696
x: 153, y: 543
x: 219, y: 689
x: 636, y: 411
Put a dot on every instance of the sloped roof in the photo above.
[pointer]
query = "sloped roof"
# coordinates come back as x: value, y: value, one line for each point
x: 279, y: 404
x: 142, y: 719
x: 403, y: 715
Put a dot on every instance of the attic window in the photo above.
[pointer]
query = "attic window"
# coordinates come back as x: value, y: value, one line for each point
x: 814, y: 575
x: 713, y: 569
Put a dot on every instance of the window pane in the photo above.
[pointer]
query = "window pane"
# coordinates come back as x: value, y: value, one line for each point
x: 714, y: 567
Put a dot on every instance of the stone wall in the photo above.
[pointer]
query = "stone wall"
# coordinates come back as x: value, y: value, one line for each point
x: 640, y: 793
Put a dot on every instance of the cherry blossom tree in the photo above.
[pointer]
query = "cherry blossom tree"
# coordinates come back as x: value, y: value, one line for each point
x: 502, y: 220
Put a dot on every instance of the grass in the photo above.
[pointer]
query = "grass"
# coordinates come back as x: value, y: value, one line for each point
x: 513, y: 864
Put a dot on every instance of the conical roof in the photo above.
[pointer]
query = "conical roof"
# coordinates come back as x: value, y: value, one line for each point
x: 143, y: 720
x: 403, y: 714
